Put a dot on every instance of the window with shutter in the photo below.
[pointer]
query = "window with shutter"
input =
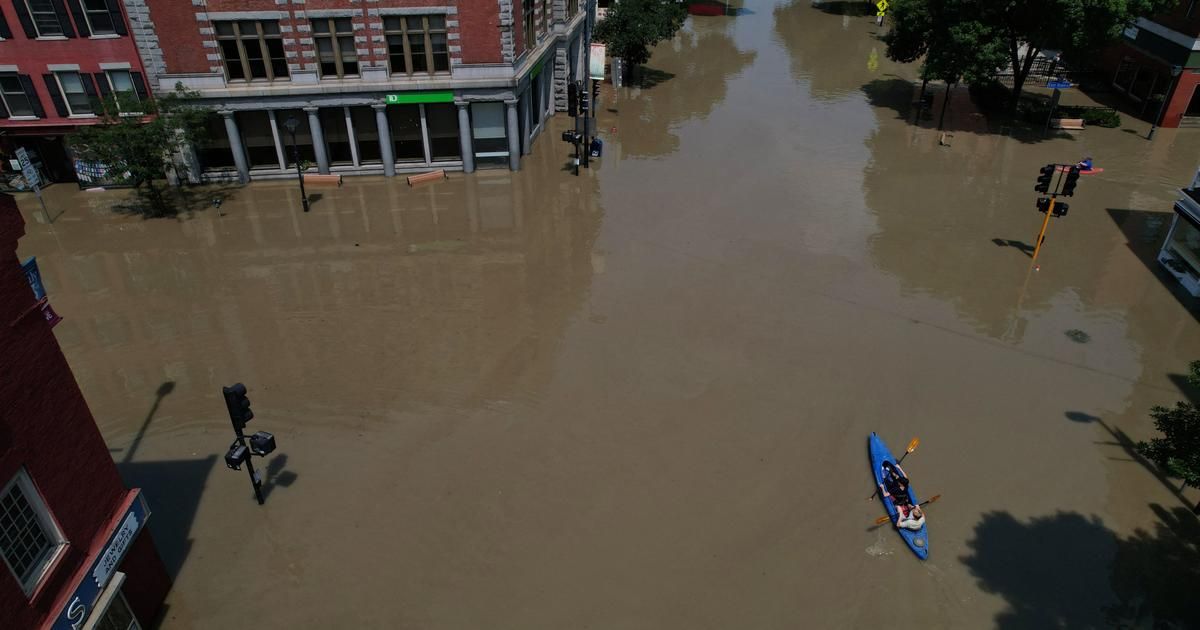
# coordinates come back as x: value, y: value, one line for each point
x: 15, y: 99
x: 45, y: 18
x: 99, y: 18
x: 75, y: 93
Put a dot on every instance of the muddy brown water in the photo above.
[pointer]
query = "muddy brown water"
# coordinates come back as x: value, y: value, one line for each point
x: 640, y: 398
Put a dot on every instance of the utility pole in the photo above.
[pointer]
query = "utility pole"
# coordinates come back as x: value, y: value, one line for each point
x: 1068, y: 175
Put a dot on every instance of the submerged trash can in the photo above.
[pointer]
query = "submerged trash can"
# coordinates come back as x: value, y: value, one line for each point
x: 597, y: 147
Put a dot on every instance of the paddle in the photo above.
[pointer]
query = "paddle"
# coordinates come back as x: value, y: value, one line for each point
x: 912, y: 446
x: 883, y: 519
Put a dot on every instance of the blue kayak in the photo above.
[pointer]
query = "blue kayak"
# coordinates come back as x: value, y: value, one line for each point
x: 917, y: 540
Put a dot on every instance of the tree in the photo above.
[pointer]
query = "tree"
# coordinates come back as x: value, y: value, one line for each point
x: 139, y: 149
x: 633, y: 26
x: 1177, y: 453
x: 981, y: 38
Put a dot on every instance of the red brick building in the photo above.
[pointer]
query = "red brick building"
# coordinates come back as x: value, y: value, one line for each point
x: 72, y: 537
x: 372, y: 86
x: 1159, y: 58
x: 57, y: 59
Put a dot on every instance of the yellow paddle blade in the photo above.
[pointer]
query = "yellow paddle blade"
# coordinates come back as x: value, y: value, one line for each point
x: 912, y: 446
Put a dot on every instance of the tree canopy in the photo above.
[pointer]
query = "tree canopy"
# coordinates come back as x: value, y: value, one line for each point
x: 139, y: 148
x: 975, y: 40
x: 1177, y: 453
x: 633, y: 26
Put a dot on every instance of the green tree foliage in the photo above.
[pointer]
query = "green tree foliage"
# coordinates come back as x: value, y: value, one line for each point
x: 633, y: 26
x: 975, y: 40
x: 138, y: 149
x: 1177, y: 453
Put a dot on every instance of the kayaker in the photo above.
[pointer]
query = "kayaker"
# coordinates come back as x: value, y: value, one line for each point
x: 1085, y: 164
x: 895, y: 487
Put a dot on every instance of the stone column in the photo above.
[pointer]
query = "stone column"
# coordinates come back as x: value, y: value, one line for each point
x: 385, y: 140
x: 514, y: 136
x: 464, y: 138
x: 527, y: 116
x: 318, y: 140
x: 235, y: 145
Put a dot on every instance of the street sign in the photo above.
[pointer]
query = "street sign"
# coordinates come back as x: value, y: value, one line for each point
x: 1059, y: 85
x: 882, y: 5
x: 34, y: 276
x: 27, y: 169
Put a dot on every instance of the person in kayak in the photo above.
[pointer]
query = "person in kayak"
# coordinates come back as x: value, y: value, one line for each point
x: 895, y: 487
x: 1085, y: 164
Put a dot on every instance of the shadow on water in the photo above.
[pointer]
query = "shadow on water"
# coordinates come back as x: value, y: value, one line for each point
x: 646, y: 77
x: 1144, y: 232
x: 712, y: 8
x: 177, y: 202
x: 1021, y: 246
x: 172, y: 488
x: 275, y: 475
x: 1067, y: 570
x: 1127, y: 444
x: 852, y: 8
x: 903, y: 97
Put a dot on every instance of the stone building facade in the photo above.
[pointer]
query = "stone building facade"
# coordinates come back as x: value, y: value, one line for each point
x: 363, y: 86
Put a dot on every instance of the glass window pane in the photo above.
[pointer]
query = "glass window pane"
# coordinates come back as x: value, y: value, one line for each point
x: 278, y: 59
x: 437, y: 22
x: 233, y: 63
x: 10, y: 84
x: 258, y: 69
x: 416, y: 45
x: 224, y: 28
x: 391, y: 24
x: 347, y: 46
x: 320, y: 26
x: 248, y: 28
x: 325, y: 49
x: 337, y: 139
x: 342, y: 25
x: 255, y: 128
x: 441, y: 120
x: 488, y: 129
x: 405, y: 123
x: 396, y: 54
x: 120, y: 80
x: 366, y: 133
x: 70, y: 82
x: 215, y: 151
x: 415, y: 24
x: 270, y: 28
x: 303, y: 136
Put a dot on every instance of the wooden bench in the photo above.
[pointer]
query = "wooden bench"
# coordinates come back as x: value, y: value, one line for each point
x: 431, y: 176
x: 1074, y: 124
x: 322, y: 180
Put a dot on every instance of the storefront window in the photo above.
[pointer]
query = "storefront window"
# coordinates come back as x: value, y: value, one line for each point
x: 255, y: 128
x: 367, y: 134
x: 488, y: 131
x: 1185, y: 244
x: 441, y: 120
x: 405, y: 123
x: 337, y: 138
x: 215, y: 152
x: 303, y: 139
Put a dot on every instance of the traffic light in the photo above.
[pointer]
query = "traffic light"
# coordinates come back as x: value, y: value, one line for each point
x: 1069, y: 185
x: 595, y: 89
x: 584, y: 105
x: 570, y: 137
x: 1043, y: 204
x: 1060, y: 209
x: 238, y: 405
x: 1043, y: 180
x: 572, y: 100
x: 262, y: 443
x: 236, y: 456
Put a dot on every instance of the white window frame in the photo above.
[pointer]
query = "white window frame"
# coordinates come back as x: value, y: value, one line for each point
x: 112, y: 89
x: 61, y: 90
x: 50, y: 529
x: 87, y: 16
x: 62, y: 29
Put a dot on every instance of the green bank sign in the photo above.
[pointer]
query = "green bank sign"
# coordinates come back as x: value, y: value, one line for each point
x: 411, y: 98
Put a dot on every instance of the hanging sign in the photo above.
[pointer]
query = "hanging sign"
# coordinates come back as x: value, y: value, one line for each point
x: 596, y: 63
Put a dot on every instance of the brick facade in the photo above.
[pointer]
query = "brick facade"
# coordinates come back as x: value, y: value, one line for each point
x: 47, y: 429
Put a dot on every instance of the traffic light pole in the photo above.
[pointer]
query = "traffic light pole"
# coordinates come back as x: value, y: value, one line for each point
x: 254, y: 478
x: 1046, y: 221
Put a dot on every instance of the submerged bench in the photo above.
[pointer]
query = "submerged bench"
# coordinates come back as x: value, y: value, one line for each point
x: 323, y: 180
x: 1067, y: 123
x: 431, y: 176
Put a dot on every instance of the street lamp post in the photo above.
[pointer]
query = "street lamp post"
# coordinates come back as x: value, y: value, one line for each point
x: 1175, y: 72
x: 290, y: 124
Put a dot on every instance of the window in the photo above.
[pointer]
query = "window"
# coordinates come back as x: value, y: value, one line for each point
x: 45, y: 18
x: 404, y: 121
x: 335, y: 47
x: 441, y: 119
x: 252, y: 49
x: 124, y: 94
x: 29, y: 539
x: 78, y: 101
x: 488, y: 131
x: 118, y: 616
x: 366, y: 134
x: 572, y: 8
x: 15, y: 98
x: 417, y: 44
x: 527, y: 24
x: 99, y: 17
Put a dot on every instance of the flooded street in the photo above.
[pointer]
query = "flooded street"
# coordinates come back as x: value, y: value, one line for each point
x: 640, y: 398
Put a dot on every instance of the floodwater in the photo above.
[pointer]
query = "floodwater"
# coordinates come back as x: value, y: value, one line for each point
x: 640, y: 397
